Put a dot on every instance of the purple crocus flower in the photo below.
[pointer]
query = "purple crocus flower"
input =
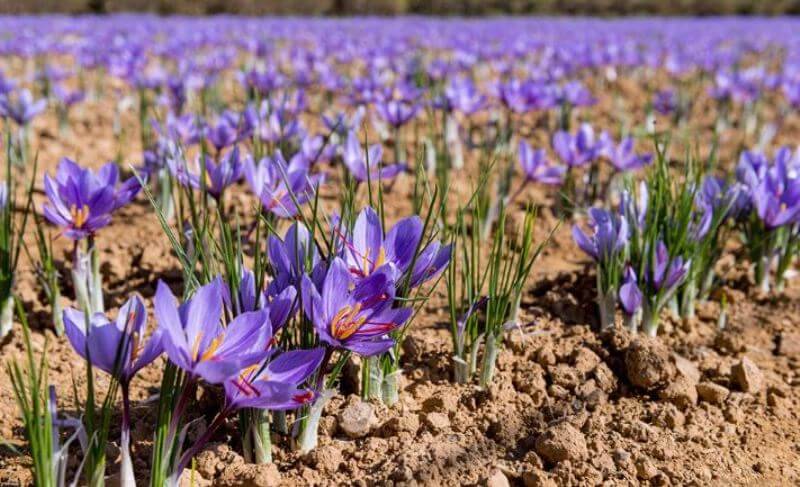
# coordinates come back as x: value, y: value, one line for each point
x: 667, y: 273
x: 317, y: 149
x: 81, y: 202
x: 275, y: 383
x: 777, y: 196
x: 431, y: 261
x: 196, y: 340
x: 354, y: 315
x: 579, y: 149
x: 609, y: 238
x: 290, y: 256
x: 396, y: 112
x: 630, y: 296
x: 230, y: 128
x: 68, y: 97
x: 117, y: 348
x: 367, y: 250
x: 537, y: 167
x: 461, y: 95
x: 282, y: 187
x: 623, y: 157
x: 22, y: 108
x: 218, y: 176
x: 277, y: 125
x: 634, y: 209
x: 717, y: 195
x: 665, y: 102
x: 752, y: 167
x: 574, y: 93
x: 280, y: 304
x: 367, y: 166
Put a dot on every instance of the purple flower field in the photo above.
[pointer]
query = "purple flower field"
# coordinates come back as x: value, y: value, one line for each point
x: 246, y: 251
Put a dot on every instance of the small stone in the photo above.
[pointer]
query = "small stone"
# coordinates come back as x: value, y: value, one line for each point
x: 497, y: 479
x: 686, y: 368
x: 561, y: 442
x: 789, y: 344
x: 648, y: 364
x: 681, y: 392
x: 645, y: 470
x: 357, y: 419
x: 437, y: 421
x: 327, y: 458
x: 747, y: 376
x: 712, y: 393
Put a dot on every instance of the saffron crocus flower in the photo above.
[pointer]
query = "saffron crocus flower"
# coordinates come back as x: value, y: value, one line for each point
x: 282, y: 187
x: 716, y: 195
x: 623, y: 157
x: 574, y: 93
x: 753, y: 166
x: 196, y: 340
x: 21, y: 108
x: 630, y: 296
x: 579, y: 149
x: 367, y: 250
x: 667, y: 273
x: 396, y: 112
x: 229, y: 128
x: 275, y: 383
x: 119, y: 348
x: 431, y: 261
x: 68, y: 97
x: 218, y: 176
x: 665, y: 102
x: 367, y: 166
x: 289, y: 258
x: 777, y: 197
x: 281, y: 305
x: 634, y: 208
x: 609, y: 238
x: 316, y: 149
x: 461, y: 95
x: 81, y: 202
x: 278, y: 125
x: 537, y: 167
x: 354, y: 315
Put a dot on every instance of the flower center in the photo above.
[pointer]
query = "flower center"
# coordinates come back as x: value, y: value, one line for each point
x: 209, y: 352
x: 346, y: 322
x: 79, y: 215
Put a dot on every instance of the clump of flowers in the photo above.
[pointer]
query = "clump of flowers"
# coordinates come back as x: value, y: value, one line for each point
x: 769, y: 214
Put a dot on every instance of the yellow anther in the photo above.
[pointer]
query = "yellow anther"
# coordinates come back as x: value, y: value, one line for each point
x: 79, y: 216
